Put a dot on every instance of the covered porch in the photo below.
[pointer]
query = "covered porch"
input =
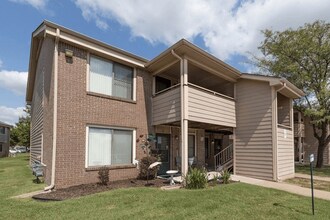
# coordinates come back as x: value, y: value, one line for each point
x: 193, y: 107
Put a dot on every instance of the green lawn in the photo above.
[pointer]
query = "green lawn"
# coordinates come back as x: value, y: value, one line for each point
x: 233, y: 201
x: 305, y: 169
x: 318, y: 184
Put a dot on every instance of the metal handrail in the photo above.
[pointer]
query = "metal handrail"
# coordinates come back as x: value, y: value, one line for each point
x: 211, y: 91
x: 223, y: 156
x: 167, y: 89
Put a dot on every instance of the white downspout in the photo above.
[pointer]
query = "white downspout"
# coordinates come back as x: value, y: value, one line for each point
x: 52, y: 185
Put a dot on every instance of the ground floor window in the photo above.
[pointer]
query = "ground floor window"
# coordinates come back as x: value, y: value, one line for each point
x: 0, y: 147
x: 109, y: 146
x: 191, y: 146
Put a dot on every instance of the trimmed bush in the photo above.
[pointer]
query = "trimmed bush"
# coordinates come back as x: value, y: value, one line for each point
x: 104, y: 175
x: 196, y: 178
x: 144, y: 163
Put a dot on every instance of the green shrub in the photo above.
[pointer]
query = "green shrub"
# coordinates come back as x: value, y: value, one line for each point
x: 144, y: 163
x: 104, y: 175
x: 196, y: 178
x: 225, y: 176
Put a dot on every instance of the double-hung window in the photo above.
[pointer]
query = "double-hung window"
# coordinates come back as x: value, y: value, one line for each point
x: 108, y: 146
x: 110, y: 78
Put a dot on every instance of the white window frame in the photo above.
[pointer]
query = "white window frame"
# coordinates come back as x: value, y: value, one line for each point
x: 113, y: 128
x: 89, y: 55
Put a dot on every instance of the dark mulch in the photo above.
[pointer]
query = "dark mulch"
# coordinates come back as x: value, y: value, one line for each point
x: 87, y: 189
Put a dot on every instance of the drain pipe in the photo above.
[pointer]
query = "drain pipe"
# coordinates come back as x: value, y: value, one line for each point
x: 52, y: 185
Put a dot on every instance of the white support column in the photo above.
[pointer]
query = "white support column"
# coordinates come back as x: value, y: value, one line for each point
x: 184, y: 116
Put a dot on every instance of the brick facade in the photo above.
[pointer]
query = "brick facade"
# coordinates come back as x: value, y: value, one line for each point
x: 77, y: 109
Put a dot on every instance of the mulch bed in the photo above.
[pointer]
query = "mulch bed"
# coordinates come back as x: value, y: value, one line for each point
x: 87, y: 189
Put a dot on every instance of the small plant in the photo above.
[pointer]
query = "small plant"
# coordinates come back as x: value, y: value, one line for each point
x: 144, y: 164
x: 215, y: 179
x: 196, y: 178
x: 225, y: 176
x: 104, y: 175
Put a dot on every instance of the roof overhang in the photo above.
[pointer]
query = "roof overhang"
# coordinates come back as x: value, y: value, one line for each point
x: 285, y: 87
x: 48, y: 29
x: 196, y: 56
x: 5, y: 125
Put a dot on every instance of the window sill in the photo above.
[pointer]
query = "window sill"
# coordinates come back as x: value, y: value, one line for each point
x: 111, y: 167
x: 110, y: 97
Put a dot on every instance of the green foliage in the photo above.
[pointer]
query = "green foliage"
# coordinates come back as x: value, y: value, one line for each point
x: 104, y: 175
x: 20, y: 133
x: 303, y: 57
x: 196, y: 178
x: 144, y: 164
x: 232, y: 201
x: 225, y: 176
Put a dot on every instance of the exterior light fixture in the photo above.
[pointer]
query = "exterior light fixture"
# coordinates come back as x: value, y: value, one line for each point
x: 68, y: 53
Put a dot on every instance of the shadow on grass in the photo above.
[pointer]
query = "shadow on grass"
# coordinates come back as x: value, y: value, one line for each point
x: 290, y: 208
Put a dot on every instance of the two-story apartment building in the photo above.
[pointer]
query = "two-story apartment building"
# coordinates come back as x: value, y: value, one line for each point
x: 93, y: 103
x: 4, y: 139
x: 304, y: 140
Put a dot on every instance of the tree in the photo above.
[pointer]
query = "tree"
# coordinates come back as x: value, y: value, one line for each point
x: 20, y: 133
x: 303, y: 57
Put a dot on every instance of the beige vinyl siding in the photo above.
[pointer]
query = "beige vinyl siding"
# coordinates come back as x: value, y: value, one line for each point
x: 209, y: 108
x: 166, y: 107
x: 37, y: 109
x: 253, y: 148
x: 285, y: 152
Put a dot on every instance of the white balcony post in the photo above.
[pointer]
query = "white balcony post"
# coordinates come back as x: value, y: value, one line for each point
x: 299, y: 132
x: 184, y: 115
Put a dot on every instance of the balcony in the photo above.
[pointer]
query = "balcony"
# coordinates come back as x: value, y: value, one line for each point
x: 205, y: 106
x: 299, y: 129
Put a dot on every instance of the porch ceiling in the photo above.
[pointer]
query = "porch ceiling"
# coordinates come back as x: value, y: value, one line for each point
x: 199, y: 125
x: 198, y: 76
x: 194, y: 55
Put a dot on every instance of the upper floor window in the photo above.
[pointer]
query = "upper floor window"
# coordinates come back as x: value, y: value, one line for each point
x: 110, y: 78
x: 2, y: 130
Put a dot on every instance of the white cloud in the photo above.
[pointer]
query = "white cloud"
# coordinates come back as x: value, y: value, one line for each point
x: 38, y: 4
x: 14, y: 81
x: 227, y: 27
x: 11, y: 115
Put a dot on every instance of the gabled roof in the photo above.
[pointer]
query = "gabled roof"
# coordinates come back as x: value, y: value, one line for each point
x: 47, y: 28
x: 286, y: 87
x: 184, y: 48
x: 5, y: 124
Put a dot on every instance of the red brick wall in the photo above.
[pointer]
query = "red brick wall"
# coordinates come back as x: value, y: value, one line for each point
x: 76, y: 109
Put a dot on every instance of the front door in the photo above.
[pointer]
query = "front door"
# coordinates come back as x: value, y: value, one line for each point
x: 163, y: 150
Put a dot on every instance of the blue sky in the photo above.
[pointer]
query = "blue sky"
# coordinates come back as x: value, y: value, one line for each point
x: 228, y: 29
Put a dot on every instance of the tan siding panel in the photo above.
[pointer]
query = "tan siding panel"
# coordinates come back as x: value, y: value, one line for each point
x: 253, y: 149
x: 209, y: 108
x: 166, y: 107
x: 285, y: 152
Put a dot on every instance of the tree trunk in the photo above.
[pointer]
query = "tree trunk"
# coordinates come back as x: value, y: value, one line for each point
x: 320, y: 152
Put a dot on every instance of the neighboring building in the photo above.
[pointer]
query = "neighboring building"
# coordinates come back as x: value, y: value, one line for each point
x: 92, y: 104
x: 305, y: 142
x: 4, y: 139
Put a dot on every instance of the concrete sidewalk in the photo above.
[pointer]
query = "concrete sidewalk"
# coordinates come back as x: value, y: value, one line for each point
x: 305, y: 176
x: 283, y: 186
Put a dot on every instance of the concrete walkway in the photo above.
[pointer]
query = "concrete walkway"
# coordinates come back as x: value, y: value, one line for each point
x: 283, y: 186
x: 305, y: 176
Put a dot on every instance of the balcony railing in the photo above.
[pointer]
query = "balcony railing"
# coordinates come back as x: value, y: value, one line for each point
x: 204, y: 106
